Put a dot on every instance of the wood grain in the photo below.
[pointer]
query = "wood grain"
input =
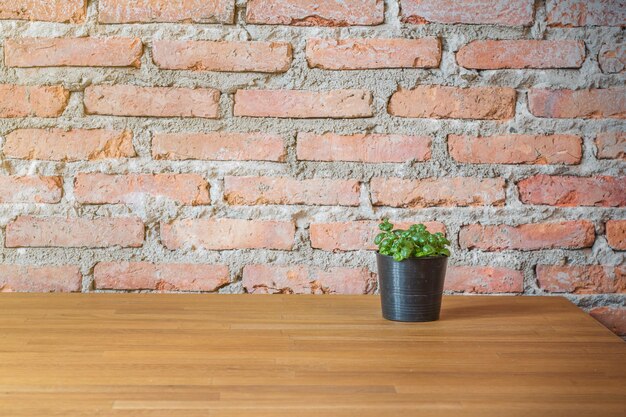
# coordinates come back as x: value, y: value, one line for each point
x: 241, y: 355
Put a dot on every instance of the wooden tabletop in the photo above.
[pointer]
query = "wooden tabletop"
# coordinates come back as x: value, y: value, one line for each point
x: 254, y: 355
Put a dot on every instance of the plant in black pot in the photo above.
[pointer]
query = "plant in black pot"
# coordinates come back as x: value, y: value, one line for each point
x: 411, y: 272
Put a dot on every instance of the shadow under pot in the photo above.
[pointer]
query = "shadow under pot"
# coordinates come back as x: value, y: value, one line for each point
x: 411, y: 290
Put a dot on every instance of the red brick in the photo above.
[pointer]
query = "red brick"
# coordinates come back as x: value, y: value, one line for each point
x: 222, y: 56
x: 616, y: 234
x: 30, y: 189
x: 442, y: 102
x: 586, y: 13
x: 349, y: 54
x: 37, y: 101
x: 218, y: 146
x: 73, y: 52
x: 98, y: 188
x: 484, y: 280
x: 612, y: 59
x: 613, y: 318
x: 309, y: 13
x: 74, y: 232
x: 586, y: 104
x: 436, y: 192
x: 499, y: 12
x: 62, y: 11
x: 128, y: 100
x: 303, y: 104
x: 302, y: 279
x: 182, y: 11
x: 370, y: 148
x: 160, y: 277
x: 29, y: 278
x: 491, y: 54
x: 356, y: 235
x: 69, y: 145
x: 611, y: 145
x: 567, y: 191
x: 534, y: 236
x: 223, y: 234
x: 582, y: 279
x: 516, y: 149
x: 250, y: 191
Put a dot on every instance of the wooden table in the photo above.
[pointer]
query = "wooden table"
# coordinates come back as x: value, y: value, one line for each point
x: 253, y: 355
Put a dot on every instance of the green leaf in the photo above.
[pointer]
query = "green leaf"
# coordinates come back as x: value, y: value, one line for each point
x: 385, y: 225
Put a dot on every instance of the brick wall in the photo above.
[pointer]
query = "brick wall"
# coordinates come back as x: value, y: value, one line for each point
x: 252, y: 146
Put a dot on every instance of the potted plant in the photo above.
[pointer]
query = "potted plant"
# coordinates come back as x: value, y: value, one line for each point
x: 411, y: 272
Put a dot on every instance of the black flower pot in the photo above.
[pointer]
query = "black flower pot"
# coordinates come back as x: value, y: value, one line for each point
x: 411, y: 290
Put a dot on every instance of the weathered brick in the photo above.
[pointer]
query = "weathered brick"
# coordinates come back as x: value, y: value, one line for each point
x: 249, y: 191
x: 231, y: 56
x: 586, y: 13
x: 98, y: 188
x: 484, y: 280
x: 218, y: 146
x: 302, y: 279
x: 370, y: 148
x: 303, y: 104
x: 435, y: 192
x: 309, y: 13
x: 616, y: 234
x: 74, y: 232
x: 442, y: 102
x: 160, y: 277
x: 499, y: 12
x: 613, y: 318
x: 30, y: 189
x: 223, y: 234
x: 37, y: 101
x: 585, y: 104
x: 182, y: 11
x: 490, y: 54
x: 349, y: 54
x: 569, y: 191
x: 128, y: 100
x: 73, y: 52
x: 612, y: 59
x: 62, y: 11
x: 611, y: 145
x: 533, y: 236
x: 31, y: 278
x: 582, y: 279
x: 356, y: 235
x: 516, y: 149
x: 69, y: 145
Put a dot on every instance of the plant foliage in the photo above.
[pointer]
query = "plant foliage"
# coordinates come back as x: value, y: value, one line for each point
x: 417, y: 242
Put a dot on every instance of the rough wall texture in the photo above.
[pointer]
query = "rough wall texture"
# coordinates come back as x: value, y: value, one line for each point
x: 252, y: 146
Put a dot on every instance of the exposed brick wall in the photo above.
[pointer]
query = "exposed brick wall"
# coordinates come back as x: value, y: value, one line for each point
x: 251, y: 146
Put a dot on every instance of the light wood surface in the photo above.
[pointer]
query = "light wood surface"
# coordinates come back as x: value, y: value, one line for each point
x: 252, y: 355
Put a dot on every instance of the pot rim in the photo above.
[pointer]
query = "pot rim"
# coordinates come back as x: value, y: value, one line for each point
x: 413, y: 258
